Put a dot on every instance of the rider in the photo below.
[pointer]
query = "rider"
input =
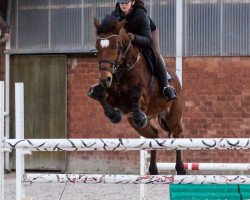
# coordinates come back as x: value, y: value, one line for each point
x: 4, y: 29
x: 140, y: 30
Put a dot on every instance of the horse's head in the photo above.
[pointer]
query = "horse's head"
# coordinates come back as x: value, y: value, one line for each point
x: 109, y: 47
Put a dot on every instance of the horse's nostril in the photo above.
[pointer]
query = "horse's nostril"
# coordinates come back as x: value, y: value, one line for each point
x: 109, y: 79
x: 103, y: 83
x: 106, y: 82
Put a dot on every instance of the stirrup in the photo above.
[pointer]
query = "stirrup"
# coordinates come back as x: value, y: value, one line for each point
x: 169, y: 92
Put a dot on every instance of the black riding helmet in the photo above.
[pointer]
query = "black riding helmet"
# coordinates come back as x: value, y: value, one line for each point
x: 138, y: 3
x: 123, y: 1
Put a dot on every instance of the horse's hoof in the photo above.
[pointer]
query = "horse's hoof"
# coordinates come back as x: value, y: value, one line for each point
x: 179, y: 167
x: 141, y: 121
x: 116, y: 117
x: 153, y: 171
x: 96, y: 92
x: 182, y: 172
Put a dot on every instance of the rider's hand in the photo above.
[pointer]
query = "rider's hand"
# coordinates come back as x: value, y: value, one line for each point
x: 131, y: 36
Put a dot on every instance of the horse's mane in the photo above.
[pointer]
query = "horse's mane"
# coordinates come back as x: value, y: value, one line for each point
x: 107, y: 25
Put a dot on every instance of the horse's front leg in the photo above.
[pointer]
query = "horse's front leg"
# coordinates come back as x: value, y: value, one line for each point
x: 98, y: 93
x: 113, y: 114
x: 139, y: 117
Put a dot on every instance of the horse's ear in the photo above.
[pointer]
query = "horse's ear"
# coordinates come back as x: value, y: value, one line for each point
x: 96, y: 23
x: 120, y: 25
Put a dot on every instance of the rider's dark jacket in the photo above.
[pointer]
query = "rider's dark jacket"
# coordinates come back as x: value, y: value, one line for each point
x: 138, y: 23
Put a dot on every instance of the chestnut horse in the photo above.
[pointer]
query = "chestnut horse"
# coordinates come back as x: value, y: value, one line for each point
x: 130, y: 88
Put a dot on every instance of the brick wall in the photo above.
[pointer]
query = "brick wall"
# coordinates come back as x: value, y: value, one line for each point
x: 217, y: 104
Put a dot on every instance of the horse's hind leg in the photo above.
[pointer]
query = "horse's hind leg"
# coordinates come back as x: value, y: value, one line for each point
x: 148, y: 132
x: 153, y: 170
x: 179, y: 167
x: 173, y: 120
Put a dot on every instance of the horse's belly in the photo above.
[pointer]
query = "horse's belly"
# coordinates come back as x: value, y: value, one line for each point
x: 157, y: 107
x: 151, y: 109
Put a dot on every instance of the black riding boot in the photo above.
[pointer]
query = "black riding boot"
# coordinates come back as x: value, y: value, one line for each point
x: 96, y: 92
x: 168, y: 90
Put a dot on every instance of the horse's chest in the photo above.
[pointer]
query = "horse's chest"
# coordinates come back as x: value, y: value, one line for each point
x: 120, y: 97
x: 122, y: 87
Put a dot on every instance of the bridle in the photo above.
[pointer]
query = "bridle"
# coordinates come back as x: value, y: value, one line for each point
x: 121, y: 57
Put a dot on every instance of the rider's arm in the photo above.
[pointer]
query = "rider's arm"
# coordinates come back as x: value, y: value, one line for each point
x: 152, y: 25
x: 143, y: 36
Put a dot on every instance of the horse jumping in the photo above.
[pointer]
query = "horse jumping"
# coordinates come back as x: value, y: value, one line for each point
x: 128, y: 87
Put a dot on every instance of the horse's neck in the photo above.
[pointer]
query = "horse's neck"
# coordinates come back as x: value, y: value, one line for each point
x: 132, y: 51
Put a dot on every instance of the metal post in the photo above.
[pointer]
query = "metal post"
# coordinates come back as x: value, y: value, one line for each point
x: 7, y: 104
x: 179, y: 38
x: 19, y: 124
x: 2, y: 139
x: 7, y: 86
x: 142, y: 173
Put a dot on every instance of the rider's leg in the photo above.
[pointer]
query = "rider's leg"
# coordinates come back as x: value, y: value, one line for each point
x: 168, y: 90
x: 156, y: 41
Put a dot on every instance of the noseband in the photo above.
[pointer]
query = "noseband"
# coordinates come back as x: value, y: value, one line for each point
x: 121, y: 56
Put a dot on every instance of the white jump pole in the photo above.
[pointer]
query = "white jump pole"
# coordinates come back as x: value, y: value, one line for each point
x: 137, y: 179
x: 19, y: 124
x: 207, y: 166
x: 129, y: 144
x: 2, y: 139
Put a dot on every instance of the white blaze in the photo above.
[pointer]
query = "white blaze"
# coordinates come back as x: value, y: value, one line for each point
x: 104, y: 43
